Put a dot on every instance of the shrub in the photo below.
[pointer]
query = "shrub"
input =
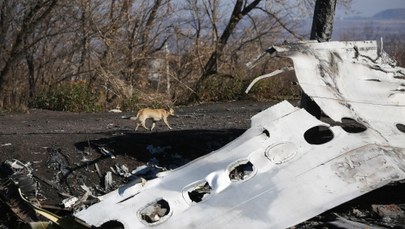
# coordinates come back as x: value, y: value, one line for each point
x: 276, y: 88
x: 131, y: 104
x: 73, y: 97
x: 221, y: 88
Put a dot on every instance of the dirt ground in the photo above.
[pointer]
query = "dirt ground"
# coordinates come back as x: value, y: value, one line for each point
x: 64, y: 148
x: 35, y: 136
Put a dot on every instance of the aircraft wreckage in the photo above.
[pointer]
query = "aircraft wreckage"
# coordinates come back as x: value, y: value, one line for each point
x: 288, y: 166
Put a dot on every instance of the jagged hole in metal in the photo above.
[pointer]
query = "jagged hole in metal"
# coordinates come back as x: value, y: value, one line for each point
x: 352, y: 126
x: 401, y: 127
x: 155, y: 212
x: 200, y: 192
x: 241, y: 171
x: 112, y: 224
x: 318, y: 135
x: 266, y: 132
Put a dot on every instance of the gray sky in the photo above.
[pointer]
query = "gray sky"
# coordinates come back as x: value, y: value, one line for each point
x: 367, y: 8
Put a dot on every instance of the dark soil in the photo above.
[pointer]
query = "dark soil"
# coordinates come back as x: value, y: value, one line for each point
x: 63, y: 148
x: 77, y: 137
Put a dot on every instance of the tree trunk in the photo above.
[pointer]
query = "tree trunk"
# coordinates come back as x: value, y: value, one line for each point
x: 237, y: 14
x: 322, y: 22
x: 29, y: 58
x: 240, y: 10
x: 34, y: 16
x: 149, y: 22
x: 322, y: 25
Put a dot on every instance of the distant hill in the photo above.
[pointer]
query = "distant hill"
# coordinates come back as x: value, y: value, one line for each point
x: 391, y: 14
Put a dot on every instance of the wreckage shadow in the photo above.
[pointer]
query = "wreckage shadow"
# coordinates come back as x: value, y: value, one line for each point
x: 143, y: 146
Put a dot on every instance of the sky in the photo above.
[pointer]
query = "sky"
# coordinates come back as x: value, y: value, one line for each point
x: 368, y: 8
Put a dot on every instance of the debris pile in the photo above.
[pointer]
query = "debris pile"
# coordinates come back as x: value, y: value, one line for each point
x: 22, y: 195
x: 290, y: 165
x: 15, y: 179
x: 287, y: 167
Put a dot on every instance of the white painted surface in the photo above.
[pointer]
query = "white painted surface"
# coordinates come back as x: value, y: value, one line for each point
x: 292, y: 180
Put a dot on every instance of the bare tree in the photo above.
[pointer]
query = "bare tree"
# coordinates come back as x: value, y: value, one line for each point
x: 111, y: 45
x: 241, y: 9
x: 247, y: 27
x: 322, y: 26
x: 19, y: 20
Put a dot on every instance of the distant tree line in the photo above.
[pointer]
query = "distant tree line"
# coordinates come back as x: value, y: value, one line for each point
x: 121, y: 48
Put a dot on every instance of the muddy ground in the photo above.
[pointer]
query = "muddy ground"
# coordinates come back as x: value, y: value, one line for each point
x: 64, y: 148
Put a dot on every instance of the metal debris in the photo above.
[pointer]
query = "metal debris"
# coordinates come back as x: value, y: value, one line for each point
x: 389, y: 214
x: 83, y: 201
x: 59, y: 162
x: 157, y: 149
x: 341, y: 222
x: 300, y: 166
x: 54, y: 221
x: 121, y: 170
x: 108, y: 181
x: 147, y: 172
x: 106, y: 152
x: 98, y: 170
x: 279, y: 71
x: 69, y: 202
x: 16, y: 177
x: 115, y: 111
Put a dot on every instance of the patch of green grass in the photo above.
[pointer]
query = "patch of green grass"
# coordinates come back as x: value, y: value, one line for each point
x: 74, y: 97
x: 131, y: 104
x: 221, y: 88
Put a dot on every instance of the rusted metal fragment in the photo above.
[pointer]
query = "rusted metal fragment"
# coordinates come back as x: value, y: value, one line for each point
x: 289, y: 166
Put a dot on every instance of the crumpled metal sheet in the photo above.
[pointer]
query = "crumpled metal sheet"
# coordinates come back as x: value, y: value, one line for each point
x: 16, y: 178
x: 289, y: 166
